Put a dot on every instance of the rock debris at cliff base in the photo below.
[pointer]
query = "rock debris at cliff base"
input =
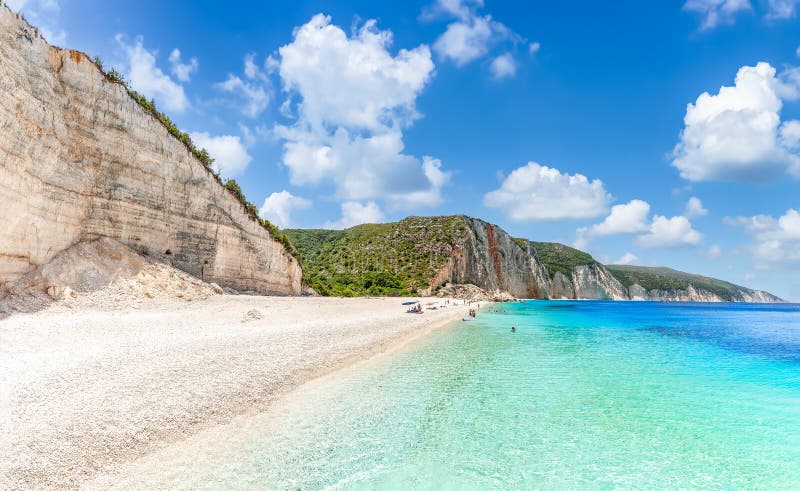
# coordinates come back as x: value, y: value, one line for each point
x: 101, y: 274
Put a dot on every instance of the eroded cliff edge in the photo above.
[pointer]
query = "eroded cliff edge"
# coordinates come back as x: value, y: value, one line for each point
x: 486, y: 256
x: 82, y: 160
x: 430, y: 255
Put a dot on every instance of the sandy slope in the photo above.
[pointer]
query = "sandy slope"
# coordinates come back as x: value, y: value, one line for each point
x: 82, y: 391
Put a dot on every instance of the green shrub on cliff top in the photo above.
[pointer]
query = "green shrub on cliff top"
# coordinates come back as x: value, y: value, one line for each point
x: 115, y: 76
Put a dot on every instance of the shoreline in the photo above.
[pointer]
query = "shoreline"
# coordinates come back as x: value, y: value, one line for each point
x: 225, y: 437
x: 86, y: 392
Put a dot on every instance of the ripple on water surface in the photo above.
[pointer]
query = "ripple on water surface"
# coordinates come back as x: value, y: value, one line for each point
x: 584, y: 394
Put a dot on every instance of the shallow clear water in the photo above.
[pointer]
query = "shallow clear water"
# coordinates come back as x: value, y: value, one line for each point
x: 584, y: 394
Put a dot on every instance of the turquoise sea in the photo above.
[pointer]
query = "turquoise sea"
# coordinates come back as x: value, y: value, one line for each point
x: 583, y: 395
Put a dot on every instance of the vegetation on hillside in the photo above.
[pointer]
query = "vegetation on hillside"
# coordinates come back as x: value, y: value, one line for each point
x: 149, y: 105
x: 669, y: 279
x: 402, y: 258
x: 558, y: 257
x: 378, y: 259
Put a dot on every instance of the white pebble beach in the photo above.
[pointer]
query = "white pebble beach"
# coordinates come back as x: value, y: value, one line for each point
x: 84, y: 391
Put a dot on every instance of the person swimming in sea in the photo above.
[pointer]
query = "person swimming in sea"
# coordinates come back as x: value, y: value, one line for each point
x: 513, y: 329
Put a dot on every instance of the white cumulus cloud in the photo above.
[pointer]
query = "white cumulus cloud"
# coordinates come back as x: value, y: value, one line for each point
x: 629, y: 218
x: 430, y: 194
x: 353, y: 82
x: 694, y: 208
x: 471, y: 36
x: 145, y: 77
x: 354, y: 98
x: 790, y: 135
x: 777, y: 240
x: 634, y: 218
x: 737, y: 134
x: 278, y: 207
x: 230, y: 155
x: 464, y: 41
x: 627, y: 258
x: 782, y: 9
x: 669, y: 232
x: 460, y: 9
x: 183, y: 71
x: 538, y: 192
x: 716, y: 12
x: 355, y: 213
x: 253, y: 92
x: 254, y: 72
x: 503, y: 66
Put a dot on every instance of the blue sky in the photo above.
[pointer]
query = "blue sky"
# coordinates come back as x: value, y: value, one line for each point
x: 563, y: 121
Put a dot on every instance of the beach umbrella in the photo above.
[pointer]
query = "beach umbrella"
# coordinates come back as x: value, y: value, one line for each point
x: 410, y: 303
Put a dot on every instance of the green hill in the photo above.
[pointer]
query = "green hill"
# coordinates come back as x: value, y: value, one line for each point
x: 404, y: 257
x: 651, y: 278
x: 377, y: 259
x: 559, y: 257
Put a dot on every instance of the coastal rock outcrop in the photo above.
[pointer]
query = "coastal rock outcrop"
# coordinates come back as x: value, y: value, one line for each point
x: 693, y: 294
x: 561, y: 287
x: 487, y: 256
x: 101, y: 273
x: 594, y: 282
x: 82, y: 160
x: 636, y: 292
x: 669, y: 285
x: 467, y: 291
x: 433, y: 255
x: 688, y: 294
x: 587, y: 281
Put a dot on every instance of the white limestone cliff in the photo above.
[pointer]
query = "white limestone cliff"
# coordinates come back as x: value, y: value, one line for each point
x: 80, y: 160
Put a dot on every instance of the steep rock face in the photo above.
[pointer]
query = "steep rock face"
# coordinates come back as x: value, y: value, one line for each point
x: 759, y: 296
x: 588, y: 281
x: 670, y: 285
x: 489, y: 258
x: 692, y: 294
x: 561, y: 287
x: 422, y: 255
x: 594, y: 282
x: 636, y: 292
x: 540, y: 274
x: 689, y: 294
x: 82, y: 160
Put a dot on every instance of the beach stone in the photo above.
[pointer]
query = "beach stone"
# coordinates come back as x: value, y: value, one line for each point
x: 252, y: 315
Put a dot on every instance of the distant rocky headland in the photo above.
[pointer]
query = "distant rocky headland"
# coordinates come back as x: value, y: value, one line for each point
x: 85, y: 157
x: 428, y: 255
